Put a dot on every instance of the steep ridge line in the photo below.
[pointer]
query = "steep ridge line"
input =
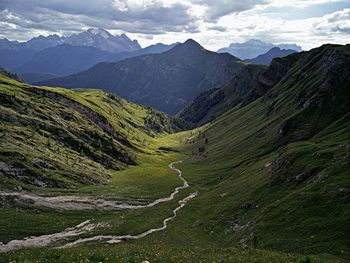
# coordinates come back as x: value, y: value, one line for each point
x: 90, y: 203
x: 86, y: 227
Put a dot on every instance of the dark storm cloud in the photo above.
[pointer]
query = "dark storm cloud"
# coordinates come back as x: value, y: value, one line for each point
x: 63, y: 16
x: 217, y: 9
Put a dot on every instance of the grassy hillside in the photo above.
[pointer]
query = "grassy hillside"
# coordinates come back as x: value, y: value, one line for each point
x: 53, y: 137
x: 275, y: 174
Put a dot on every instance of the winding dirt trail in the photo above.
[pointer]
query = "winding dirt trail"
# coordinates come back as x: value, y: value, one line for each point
x: 80, y: 203
x: 116, y: 239
x: 89, y: 203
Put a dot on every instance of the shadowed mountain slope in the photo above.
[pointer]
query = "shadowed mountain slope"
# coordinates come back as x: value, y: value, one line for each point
x: 166, y: 81
x: 247, y: 85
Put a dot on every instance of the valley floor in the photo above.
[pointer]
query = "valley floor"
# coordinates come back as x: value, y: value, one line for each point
x: 144, y: 187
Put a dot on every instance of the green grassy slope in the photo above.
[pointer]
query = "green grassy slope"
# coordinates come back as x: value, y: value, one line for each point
x: 275, y: 173
x: 62, y: 138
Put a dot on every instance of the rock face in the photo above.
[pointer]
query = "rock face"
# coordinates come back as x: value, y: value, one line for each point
x: 103, y: 40
x: 166, y: 81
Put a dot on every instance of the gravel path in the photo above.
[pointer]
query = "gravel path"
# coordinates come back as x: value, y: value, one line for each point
x: 81, y: 203
x: 88, y: 203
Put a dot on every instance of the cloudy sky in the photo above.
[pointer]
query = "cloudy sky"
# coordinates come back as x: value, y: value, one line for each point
x: 213, y: 23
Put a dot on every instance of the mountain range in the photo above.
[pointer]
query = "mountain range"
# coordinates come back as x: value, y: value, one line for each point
x: 166, y: 81
x: 42, y: 57
x: 18, y: 56
x: 254, y: 47
x: 93, y: 37
x: 103, y: 40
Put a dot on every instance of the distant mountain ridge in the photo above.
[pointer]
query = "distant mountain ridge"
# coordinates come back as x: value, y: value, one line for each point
x: 42, y: 56
x: 166, y: 81
x: 265, y: 59
x: 103, y: 40
x: 98, y: 38
x: 14, y: 54
x: 253, y: 48
x: 64, y: 60
x: 35, y: 77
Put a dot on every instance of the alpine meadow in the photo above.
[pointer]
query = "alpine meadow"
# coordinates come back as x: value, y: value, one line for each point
x: 174, y: 131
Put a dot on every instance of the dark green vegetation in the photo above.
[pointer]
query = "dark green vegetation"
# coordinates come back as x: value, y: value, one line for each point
x: 272, y: 176
x: 166, y: 81
x: 136, y: 253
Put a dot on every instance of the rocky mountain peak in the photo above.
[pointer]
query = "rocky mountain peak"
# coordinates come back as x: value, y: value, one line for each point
x: 99, y: 31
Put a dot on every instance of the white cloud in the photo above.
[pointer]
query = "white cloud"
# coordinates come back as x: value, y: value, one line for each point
x: 338, y: 22
x: 146, y: 16
x: 213, y: 23
x: 217, y: 9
